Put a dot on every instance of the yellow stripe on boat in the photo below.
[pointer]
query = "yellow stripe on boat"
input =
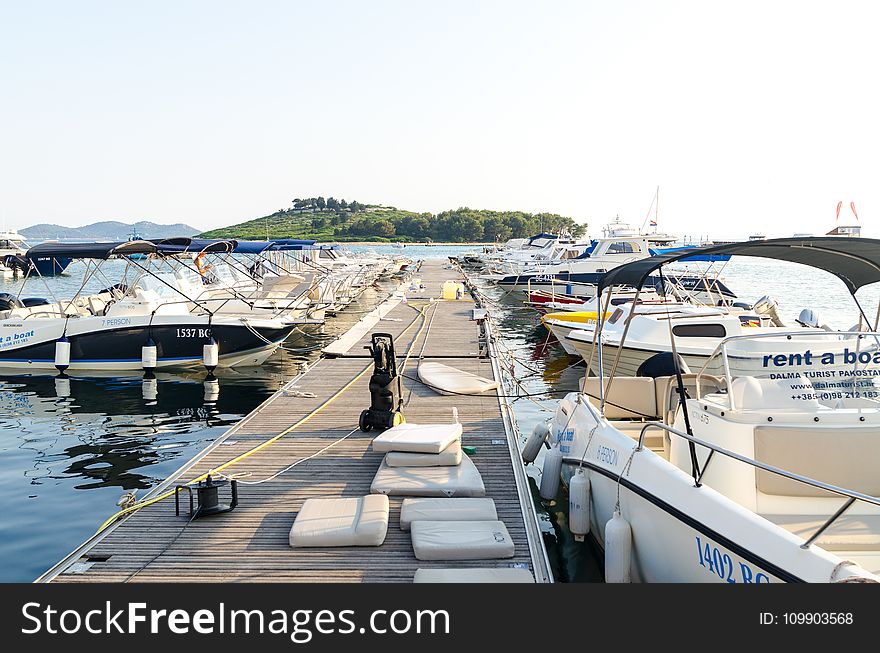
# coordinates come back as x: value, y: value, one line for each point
x: 581, y: 317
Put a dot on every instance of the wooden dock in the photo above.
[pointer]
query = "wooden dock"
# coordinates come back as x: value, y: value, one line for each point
x: 251, y: 543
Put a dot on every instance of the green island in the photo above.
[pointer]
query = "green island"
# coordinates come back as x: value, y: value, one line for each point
x: 337, y: 220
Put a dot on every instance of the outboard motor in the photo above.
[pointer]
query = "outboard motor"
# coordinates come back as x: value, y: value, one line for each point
x: 385, y: 387
x: 767, y: 306
x: 662, y: 364
x: 808, y: 318
x: 9, y: 301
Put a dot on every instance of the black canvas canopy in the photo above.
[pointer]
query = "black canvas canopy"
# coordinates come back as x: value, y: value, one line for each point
x: 855, y: 261
x: 195, y: 245
x: 91, y: 250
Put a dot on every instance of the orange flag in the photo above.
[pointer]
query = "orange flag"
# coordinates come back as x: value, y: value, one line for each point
x: 839, y: 204
x: 852, y: 205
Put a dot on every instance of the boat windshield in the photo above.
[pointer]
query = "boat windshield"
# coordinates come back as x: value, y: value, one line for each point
x: 799, y: 369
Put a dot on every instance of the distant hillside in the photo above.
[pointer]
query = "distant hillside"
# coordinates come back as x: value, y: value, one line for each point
x: 109, y: 230
x: 332, y: 220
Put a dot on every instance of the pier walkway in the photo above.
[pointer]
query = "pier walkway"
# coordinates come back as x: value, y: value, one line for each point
x: 251, y: 542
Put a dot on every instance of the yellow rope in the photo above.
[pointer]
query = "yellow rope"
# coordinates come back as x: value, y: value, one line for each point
x: 263, y: 445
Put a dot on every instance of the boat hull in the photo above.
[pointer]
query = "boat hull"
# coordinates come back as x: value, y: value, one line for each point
x: 680, y: 532
x: 116, y: 343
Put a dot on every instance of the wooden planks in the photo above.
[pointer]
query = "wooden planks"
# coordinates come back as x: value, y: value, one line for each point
x: 330, y: 458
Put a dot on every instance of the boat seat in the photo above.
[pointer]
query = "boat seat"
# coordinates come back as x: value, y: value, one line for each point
x: 354, y: 521
x: 456, y: 481
x: 451, y: 455
x: 478, y: 575
x: 847, y: 533
x: 667, y: 391
x: 848, y: 457
x: 453, y: 509
x: 461, y: 540
x: 418, y: 438
x: 96, y: 305
x: 629, y: 396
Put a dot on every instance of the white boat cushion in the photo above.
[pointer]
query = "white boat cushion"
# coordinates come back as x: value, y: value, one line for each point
x: 418, y: 438
x: 446, y: 509
x: 846, y: 456
x: 450, y: 380
x: 498, y: 575
x: 451, y: 455
x: 461, y: 540
x: 355, y: 521
x: 751, y: 393
x: 458, y: 481
x: 629, y: 396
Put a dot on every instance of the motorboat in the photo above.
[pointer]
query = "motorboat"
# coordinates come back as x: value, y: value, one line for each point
x: 753, y: 474
x: 581, y: 276
x: 636, y: 331
x: 14, y: 259
x: 141, y: 322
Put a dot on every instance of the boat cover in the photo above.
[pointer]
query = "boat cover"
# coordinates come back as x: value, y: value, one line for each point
x: 459, y: 481
x: 418, y: 438
x: 461, y: 540
x: 449, y: 380
x: 446, y: 509
x: 350, y: 521
x: 451, y: 455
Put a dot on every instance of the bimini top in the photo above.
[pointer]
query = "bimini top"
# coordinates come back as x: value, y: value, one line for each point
x: 180, y: 245
x: 91, y: 250
x: 855, y: 261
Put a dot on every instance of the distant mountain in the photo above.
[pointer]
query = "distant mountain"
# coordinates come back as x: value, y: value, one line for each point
x: 109, y: 230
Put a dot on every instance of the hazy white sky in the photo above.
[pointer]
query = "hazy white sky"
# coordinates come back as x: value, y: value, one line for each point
x: 750, y: 115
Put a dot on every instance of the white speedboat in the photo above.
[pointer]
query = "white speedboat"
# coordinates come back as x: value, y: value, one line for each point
x: 142, y: 323
x: 748, y: 476
x: 635, y: 332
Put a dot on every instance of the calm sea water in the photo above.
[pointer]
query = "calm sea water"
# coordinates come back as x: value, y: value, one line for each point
x: 68, y: 453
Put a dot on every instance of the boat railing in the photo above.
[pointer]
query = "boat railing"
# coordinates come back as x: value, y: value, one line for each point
x: 851, y: 495
x: 722, y: 350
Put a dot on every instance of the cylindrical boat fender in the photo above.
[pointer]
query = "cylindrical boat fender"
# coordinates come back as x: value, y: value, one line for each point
x: 579, y: 504
x: 62, y: 353
x: 315, y: 293
x: 150, y: 388
x: 618, y: 549
x: 149, y: 355
x: 210, y: 354
x: 536, y: 439
x: 62, y: 386
x: 550, y: 473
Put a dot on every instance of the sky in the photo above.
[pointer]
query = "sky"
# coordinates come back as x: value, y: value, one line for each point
x: 750, y: 116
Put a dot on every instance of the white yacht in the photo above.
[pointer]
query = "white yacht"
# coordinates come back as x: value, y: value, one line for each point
x: 750, y: 475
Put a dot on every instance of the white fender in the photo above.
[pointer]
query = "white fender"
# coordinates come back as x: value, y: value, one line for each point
x: 550, y: 474
x: 579, y: 504
x: 149, y: 355
x: 62, y: 353
x: 618, y: 549
x: 211, y: 354
x: 536, y: 439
